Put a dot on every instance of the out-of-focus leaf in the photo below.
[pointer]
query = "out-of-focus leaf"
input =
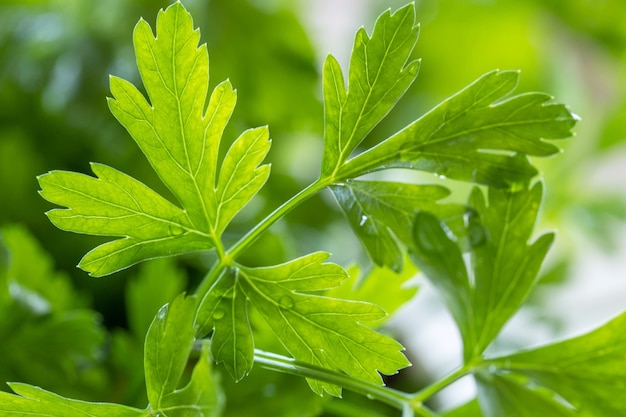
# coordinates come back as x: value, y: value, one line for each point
x: 469, y: 409
x: 34, y: 401
x: 504, y: 269
x: 379, y: 286
x: 588, y: 371
x: 464, y: 137
x: 382, y: 213
x: 158, y: 283
x: 48, y: 338
x: 503, y: 396
x: 319, y: 330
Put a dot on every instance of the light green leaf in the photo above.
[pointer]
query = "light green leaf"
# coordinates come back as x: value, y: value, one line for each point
x: 315, y: 329
x: 115, y: 204
x: 464, y: 137
x: 379, y: 286
x: 588, y: 371
x: 34, y: 401
x: 181, y: 140
x: 382, y: 214
x: 504, y: 268
x: 201, y: 397
x: 505, y: 396
x: 167, y: 347
x: 378, y: 77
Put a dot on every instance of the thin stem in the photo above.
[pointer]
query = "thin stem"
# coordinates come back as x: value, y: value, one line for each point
x: 210, y: 277
x: 434, y: 388
x: 287, y: 365
x: 276, y: 215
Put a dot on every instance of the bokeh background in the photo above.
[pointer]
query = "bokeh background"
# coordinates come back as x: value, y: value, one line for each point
x: 55, y: 60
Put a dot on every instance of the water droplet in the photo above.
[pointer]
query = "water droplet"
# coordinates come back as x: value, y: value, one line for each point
x: 286, y: 302
x: 175, y: 229
x: 492, y: 369
x: 364, y: 220
x: 218, y: 314
x: 163, y: 312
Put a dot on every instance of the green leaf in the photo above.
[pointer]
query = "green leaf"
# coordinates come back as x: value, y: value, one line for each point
x: 478, y: 135
x: 115, y: 204
x: 504, y: 396
x: 201, y: 397
x: 181, y: 140
x: 34, y: 401
x: 379, y: 76
x: 319, y: 330
x: 469, y: 409
x: 382, y: 214
x: 167, y: 347
x: 224, y: 310
x: 48, y: 336
x: 148, y: 292
x: 504, y: 268
x: 379, y: 286
x: 588, y: 371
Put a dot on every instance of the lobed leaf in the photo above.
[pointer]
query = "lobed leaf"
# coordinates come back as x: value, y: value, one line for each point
x: 477, y: 135
x: 379, y: 286
x: 167, y: 347
x: 315, y: 329
x: 181, y: 140
x: 379, y: 76
x: 504, y: 396
x: 587, y: 371
x: 382, y: 214
x: 503, y: 269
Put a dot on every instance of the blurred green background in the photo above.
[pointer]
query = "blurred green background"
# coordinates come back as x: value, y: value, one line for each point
x: 55, y: 59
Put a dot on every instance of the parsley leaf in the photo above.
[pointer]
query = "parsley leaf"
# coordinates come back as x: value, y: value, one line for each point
x: 503, y: 269
x: 36, y: 401
x: 505, y: 396
x: 463, y: 137
x: 379, y: 76
x: 315, y: 329
x: 181, y: 140
x: 380, y: 212
x: 587, y: 371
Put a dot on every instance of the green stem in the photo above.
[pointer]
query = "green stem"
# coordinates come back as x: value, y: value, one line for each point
x: 434, y: 388
x: 276, y: 215
x: 210, y: 277
x: 287, y: 365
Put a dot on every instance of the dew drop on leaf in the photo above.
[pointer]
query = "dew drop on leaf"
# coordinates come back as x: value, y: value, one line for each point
x: 175, y: 230
x: 364, y: 220
x: 286, y: 302
x: 218, y: 314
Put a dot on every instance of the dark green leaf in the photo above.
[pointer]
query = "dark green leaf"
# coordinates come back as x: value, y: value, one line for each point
x: 503, y: 269
x: 464, y: 137
x: 34, y: 401
x: 588, y: 371
x: 382, y: 214
x: 504, y: 396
